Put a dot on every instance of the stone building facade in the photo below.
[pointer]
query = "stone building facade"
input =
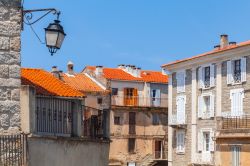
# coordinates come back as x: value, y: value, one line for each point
x: 10, y: 33
x: 211, y: 90
x: 138, y: 117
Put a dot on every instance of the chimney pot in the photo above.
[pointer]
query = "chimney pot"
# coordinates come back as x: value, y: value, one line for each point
x: 223, y: 40
x: 70, y: 67
x: 99, y: 70
x: 232, y: 43
x: 55, y: 72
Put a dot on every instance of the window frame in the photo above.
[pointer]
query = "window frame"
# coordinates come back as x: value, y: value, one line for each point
x: 236, y: 147
x: 155, y: 119
x: 131, y: 145
x: 99, y: 100
x: 114, y: 90
x: 180, y: 144
x: 117, y: 122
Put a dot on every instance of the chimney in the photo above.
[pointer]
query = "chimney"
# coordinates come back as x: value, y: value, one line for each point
x: 232, y: 43
x: 127, y: 68
x: 70, y: 67
x: 223, y: 40
x: 163, y: 71
x: 55, y: 72
x: 99, y: 70
x: 138, y: 72
x: 121, y: 66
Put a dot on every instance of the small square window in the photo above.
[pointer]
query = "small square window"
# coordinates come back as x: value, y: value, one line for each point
x: 99, y: 100
x: 117, y: 120
x: 114, y: 91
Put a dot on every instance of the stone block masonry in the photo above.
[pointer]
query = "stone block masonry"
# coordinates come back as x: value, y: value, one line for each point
x: 10, y: 82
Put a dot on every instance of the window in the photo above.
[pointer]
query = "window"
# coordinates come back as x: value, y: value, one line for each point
x: 132, y: 122
x: 181, y: 106
x: 206, y: 76
x: 156, y: 97
x: 130, y: 96
x: 131, y: 145
x: 236, y: 71
x: 237, y: 96
x: 131, y: 164
x: 156, y: 119
x: 206, y: 141
x: 180, y: 141
x: 180, y: 78
x: 117, y: 120
x: 235, y: 155
x: 99, y: 100
x: 206, y: 106
x: 114, y: 91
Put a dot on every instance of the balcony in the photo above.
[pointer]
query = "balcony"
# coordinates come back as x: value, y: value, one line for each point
x: 233, y: 127
x: 139, y: 101
x: 178, y: 120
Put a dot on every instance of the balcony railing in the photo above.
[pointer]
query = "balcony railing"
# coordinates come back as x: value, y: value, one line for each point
x: 236, y: 122
x: 63, y: 117
x: 139, y: 101
x: 175, y: 120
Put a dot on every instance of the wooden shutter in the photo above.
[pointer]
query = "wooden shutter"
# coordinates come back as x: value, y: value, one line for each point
x: 211, y: 142
x: 125, y: 96
x: 229, y: 72
x: 200, y: 141
x: 212, y: 106
x: 200, y: 106
x: 243, y: 69
x: 135, y: 97
x: 212, y: 80
x: 237, y: 96
x: 201, y: 77
x: 181, y: 101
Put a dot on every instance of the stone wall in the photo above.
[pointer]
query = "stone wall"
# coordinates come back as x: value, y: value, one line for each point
x: 10, y: 30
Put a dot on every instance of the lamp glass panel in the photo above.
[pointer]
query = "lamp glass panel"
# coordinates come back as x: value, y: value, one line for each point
x: 51, y: 38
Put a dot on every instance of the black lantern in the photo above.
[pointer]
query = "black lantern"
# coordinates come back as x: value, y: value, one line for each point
x: 54, y: 35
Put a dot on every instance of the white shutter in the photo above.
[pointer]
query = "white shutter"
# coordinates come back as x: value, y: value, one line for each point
x: 212, y: 105
x: 229, y: 72
x: 201, y: 78
x: 200, y: 141
x: 200, y: 106
x: 181, y: 101
x: 211, y: 142
x: 236, y: 97
x: 158, y: 97
x: 212, y: 80
x: 180, y: 76
x: 243, y: 69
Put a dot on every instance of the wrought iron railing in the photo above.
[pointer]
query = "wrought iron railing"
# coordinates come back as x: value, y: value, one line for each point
x: 237, y: 77
x: 236, y: 122
x: 54, y: 116
x: 13, y: 150
x: 139, y: 101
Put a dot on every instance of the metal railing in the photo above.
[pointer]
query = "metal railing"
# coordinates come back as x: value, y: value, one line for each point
x: 13, y: 150
x: 54, y: 116
x: 139, y: 101
x: 236, y: 122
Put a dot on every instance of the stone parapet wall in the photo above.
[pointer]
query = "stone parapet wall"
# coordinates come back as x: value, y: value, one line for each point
x: 10, y: 82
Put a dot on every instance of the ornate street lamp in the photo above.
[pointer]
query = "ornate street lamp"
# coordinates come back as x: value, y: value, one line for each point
x: 54, y: 33
x: 54, y: 36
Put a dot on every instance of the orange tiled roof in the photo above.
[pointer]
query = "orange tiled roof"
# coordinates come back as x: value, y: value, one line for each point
x: 82, y: 83
x: 230, y: 47
x: 119, y: 74
x: 46, y: 84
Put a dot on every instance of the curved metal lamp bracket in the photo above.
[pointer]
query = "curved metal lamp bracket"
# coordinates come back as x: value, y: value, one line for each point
x: 28, y: 15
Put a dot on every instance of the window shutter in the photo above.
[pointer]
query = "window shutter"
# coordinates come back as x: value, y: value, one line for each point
x: 180, y: 76
x: 200, y: 106
x: 212, y: 105
x: 229, y: 72
x: 200, y: 76
x: 178, y: 142
x: 211, y: 145
x: 237, y: 96
x: 200, y: 141
x: 158, y: 97
x: 181, y: 101
x: 243, y: 69
x: 212, y: 80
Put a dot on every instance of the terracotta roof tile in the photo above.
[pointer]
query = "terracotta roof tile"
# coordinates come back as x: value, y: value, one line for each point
x: 230, y: 47
x: 46, y: 84
x: 82, y: 83
x: 119, y: 74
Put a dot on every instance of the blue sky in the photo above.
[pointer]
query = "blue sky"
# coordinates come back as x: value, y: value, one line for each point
x: 144, y: 33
